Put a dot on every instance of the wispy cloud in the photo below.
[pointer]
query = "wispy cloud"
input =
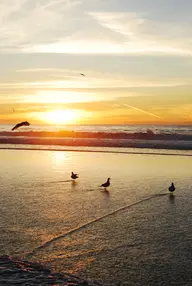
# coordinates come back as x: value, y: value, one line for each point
x: 55, y: 97
x: 69, y: 26
x: 95, y: 83
x: 26, y: 23
x: 39, y: 70
x: 143, y: 35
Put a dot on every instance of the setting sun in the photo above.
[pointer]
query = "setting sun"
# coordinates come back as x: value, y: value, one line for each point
x: 61, y: 116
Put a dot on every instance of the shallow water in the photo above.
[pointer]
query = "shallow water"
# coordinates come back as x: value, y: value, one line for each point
x: 76, y: 228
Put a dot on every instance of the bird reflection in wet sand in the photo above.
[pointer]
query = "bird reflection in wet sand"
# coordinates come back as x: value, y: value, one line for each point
x: 172, y: 198
x: 106, y: 193
x: 74, y: 183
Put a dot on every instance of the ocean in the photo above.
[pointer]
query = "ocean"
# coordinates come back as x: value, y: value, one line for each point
x: 157, y: 129
x: 92, y: 137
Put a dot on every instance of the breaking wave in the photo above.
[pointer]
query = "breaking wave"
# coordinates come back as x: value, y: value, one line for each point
x: 175, y: 138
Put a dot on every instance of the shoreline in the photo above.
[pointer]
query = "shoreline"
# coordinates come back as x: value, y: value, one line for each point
x: 99, y: 142
x: 110, y: 150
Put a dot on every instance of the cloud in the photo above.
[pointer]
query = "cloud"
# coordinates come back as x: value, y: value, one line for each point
x: 94, y: 83
x: 56, y: 97
x: 25, y: 23
x: 40, y: 70
x: 69, y: 26
x: 57, y: 79
x: 147, y: 36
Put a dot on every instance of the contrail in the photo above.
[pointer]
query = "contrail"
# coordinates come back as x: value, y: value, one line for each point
x: 146, y: 112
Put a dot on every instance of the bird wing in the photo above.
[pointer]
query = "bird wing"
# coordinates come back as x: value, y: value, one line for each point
x: 16, y: 126
x: 24, y: 123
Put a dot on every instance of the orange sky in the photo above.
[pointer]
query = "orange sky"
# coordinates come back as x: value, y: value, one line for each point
x: 136, y: 59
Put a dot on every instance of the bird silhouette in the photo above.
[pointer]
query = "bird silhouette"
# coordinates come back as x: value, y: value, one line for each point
x: 107, y: 184
x: 82, y: 74
x: 74, y: 176
x: 24, y: 123
x: 172, y: 188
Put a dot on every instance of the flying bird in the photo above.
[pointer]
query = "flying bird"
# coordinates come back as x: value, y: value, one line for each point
x: 13, y: 109
x: 107, y: 184
x: 24, y: 123
x: 172, y: 188
x: 74, y: 176
x: 82, y: 74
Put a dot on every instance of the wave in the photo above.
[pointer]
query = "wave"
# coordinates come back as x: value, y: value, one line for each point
x: 157, y: 129
x: 149, y: 134
x: 152, y: 141
x: 107, y: 138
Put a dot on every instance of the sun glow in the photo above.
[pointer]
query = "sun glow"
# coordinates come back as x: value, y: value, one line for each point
x: 66, y: 116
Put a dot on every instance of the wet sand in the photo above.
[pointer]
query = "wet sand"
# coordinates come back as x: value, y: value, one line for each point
x: 136, y: 233
x: 21, y: 272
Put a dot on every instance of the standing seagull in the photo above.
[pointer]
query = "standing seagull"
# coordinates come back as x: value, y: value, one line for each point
x: 74, y: 176
x: 107, y: 184
x: 172, y: 188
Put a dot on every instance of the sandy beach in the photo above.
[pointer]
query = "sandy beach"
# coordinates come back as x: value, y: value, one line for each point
x: 136, y: 233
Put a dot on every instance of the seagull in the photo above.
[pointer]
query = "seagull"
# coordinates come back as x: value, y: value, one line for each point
x: 74, y: 176
x: 24, y: 123
x: 107, y: 184
x: 82, y: 74
x: 172, y: 188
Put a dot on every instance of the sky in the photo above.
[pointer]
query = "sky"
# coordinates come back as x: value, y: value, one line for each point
x: 136, y: 56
